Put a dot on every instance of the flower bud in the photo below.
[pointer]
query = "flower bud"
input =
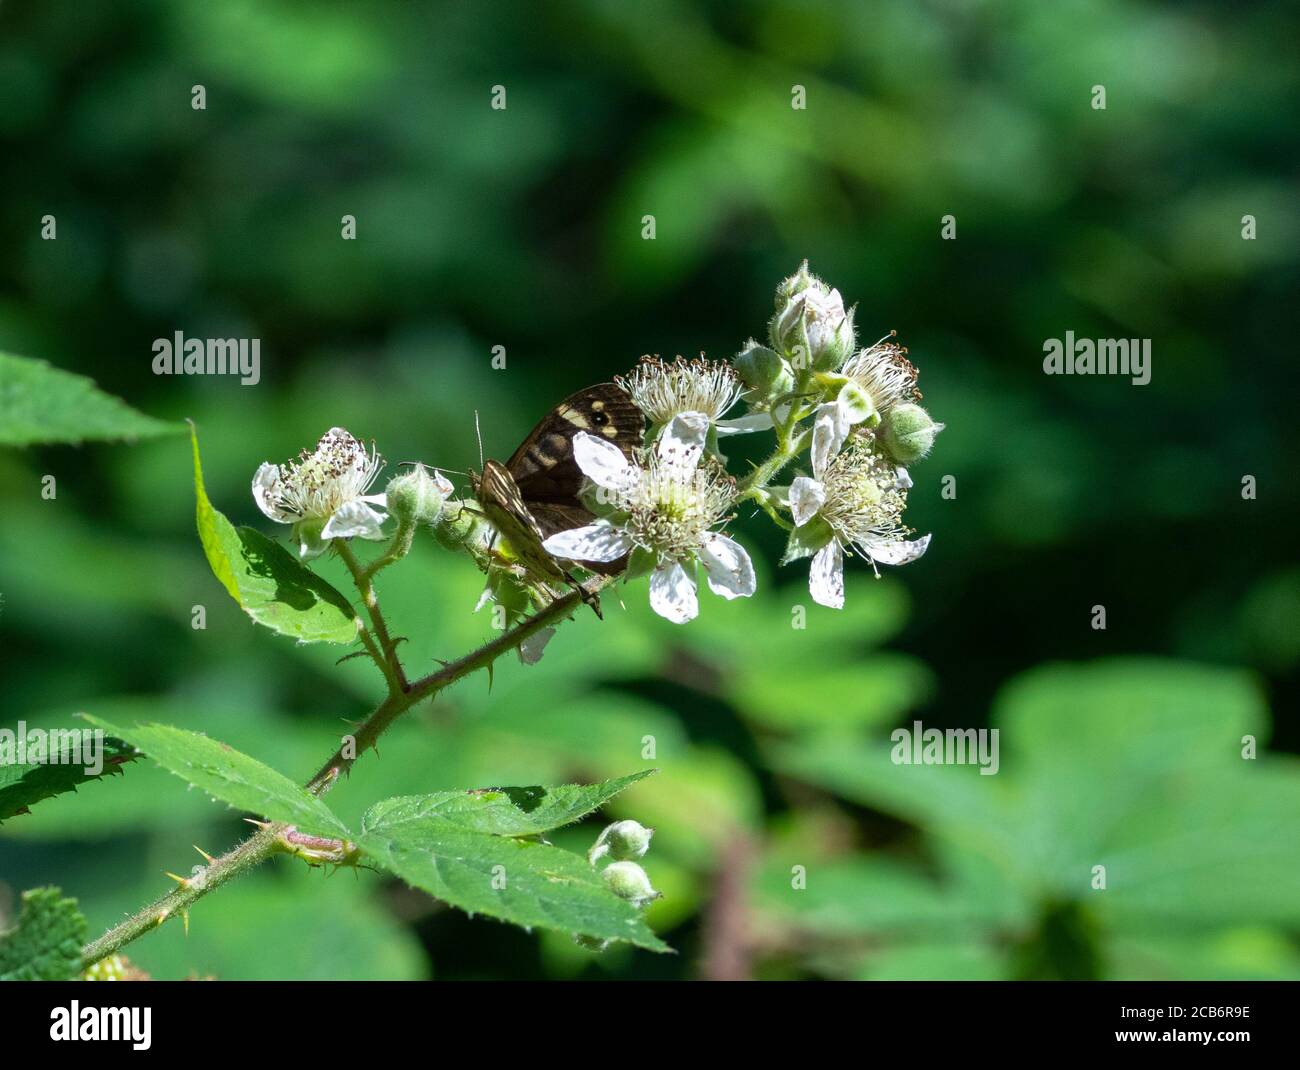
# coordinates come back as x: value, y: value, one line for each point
x: 909, y: 433
x: 813, y: 329
x: 417, y: 496
x: 795, y: 284
x: 622, y: 840
x: 764, y: 371
x: 629, y: 881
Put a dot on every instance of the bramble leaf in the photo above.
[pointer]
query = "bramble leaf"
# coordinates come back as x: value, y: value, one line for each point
x: 24, y: 785
x: 45, y: 945
x: 231, y: 776
x: 40, y: 404
x: 269, y: 584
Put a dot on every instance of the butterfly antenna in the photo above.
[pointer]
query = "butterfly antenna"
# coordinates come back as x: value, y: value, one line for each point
x: 479, y: 435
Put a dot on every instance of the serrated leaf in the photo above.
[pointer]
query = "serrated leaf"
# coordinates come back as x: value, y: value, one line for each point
x: 503, y: 811
x: 231, y: 776
x: 40, y: 404
x: 24, y: 785
x: 45, y: 945
x: 269, y: 584
x: 515, y: 880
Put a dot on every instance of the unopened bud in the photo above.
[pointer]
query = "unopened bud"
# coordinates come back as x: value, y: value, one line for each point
x: 622, y: 840
x: 909, y: 433
x: 416, y: 497
x: 629, y: 881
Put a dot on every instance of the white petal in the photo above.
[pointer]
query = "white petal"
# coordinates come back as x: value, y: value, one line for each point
x: 530, y: 650
x: 826, y: 576
x: 806, y: 497
x: 354, y: 519
x: 744, y: 425
x: 602, y: 462
x: 672, y: 593
x: 682, y: 440
x: 380, y: 500
x: 444, y: 485
x: 890, y: 552
x: 904, y: 480
x: 830, y: 429
x: 728, y: 567
x: 600, y: 541
x: 266, y: 486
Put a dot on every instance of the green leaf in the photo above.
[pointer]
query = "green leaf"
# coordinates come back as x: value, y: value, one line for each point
x: 45, y: 945
x: 503, y: 811
x: 515, y: 880
x: 231, y: 776
x: 265, y: 579
x: 39, y: 404
x: 24, y: 785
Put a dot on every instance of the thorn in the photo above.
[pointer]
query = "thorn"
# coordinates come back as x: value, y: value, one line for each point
x: 182, y: 881
x: 259, y: 824
x: 185, y: 917
x: 490, y: 666
x: 162, y: 917
x: 206, y: 857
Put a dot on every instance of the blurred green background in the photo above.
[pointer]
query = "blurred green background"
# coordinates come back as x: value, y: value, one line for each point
x: 522, y: 228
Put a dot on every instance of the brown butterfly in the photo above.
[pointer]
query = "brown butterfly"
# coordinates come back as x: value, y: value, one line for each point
x: 535, y: 493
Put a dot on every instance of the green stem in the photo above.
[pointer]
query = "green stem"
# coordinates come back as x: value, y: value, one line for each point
x: 267, y: 841
x: 389, y: 663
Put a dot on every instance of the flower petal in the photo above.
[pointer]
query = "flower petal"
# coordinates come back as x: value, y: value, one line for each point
x: 672, y: 593
x: 896, y: 552
x: 354, y: 519
x: 826, y: 576
x: 602, y: 462
x: 681, y: 442
x: 728, y: 567
x: 600, y: 541
x: 830, y: 429
x: 904, y: 480
x: 266, y: 490
x: 806, y: 497
x: 530, y: 650
x: 744, y: 425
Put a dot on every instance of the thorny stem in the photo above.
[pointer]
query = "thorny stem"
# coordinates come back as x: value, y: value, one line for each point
x: 268, y: 839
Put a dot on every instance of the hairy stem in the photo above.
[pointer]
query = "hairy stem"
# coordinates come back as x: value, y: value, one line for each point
x: 267, y: 841
x: 390, y: 664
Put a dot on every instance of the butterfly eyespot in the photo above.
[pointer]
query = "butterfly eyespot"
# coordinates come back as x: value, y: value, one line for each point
x: 599, y: 418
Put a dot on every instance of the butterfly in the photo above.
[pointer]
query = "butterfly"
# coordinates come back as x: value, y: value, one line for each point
x: 535, y: 493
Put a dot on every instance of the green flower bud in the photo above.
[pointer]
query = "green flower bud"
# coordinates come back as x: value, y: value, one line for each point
x: 812, y: 329
x: 909, y: 433
x: 629, y: 881
x: 416, y: 497
x: 795, y: 284
x: 764, y: 371
x: 622, y: 840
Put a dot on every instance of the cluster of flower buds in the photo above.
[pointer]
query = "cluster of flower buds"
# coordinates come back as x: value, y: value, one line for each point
x: 620, y: 846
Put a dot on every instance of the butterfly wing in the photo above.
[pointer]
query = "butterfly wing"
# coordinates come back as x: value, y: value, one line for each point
x: 544, y: 468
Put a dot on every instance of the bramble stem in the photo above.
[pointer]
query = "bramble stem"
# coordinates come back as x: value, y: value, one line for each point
x: 267, y: 840
x: 390, y: 664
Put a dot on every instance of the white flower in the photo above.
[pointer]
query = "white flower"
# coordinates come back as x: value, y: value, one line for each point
x: 662, y: 389
x: 854, y: 500
x: 323, y: 494
x: 885, y: 374
x: 667, y: 507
